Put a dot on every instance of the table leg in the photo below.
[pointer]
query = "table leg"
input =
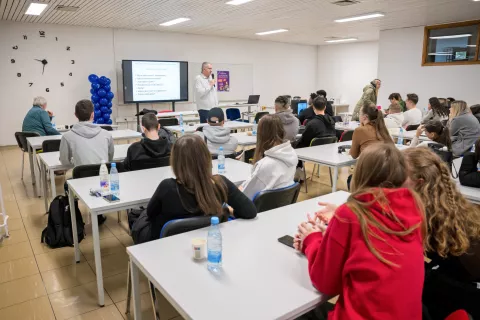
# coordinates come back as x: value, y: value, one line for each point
x: 30, y: 159
x: 335, y: 178
x: 71, y: 201
x: 137, y: 311
x: 52, y: 184
x: 34, y: 178
x: 43, y: 176
x: 98, y: 259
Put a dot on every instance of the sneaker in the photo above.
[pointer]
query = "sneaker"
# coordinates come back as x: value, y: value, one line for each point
x: 101, y: 219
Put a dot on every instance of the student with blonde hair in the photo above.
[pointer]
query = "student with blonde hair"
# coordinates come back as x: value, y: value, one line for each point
x: 464, y: 128
x: 371, y: 253
x: 453, y: 239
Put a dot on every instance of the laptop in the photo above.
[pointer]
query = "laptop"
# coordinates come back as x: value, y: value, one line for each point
x: 298, y: 106
x: 253, y: 99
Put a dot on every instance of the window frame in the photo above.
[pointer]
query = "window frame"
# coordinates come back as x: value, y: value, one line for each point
x: 445, y: 26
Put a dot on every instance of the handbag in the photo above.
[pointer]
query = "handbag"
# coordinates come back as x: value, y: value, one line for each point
x: 446, y: 156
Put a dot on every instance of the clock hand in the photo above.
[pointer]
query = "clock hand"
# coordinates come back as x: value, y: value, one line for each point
x: 37, y: 60
x: 43, y: 69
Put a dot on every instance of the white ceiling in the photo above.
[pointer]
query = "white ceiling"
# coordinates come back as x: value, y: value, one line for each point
x: 309, y: 21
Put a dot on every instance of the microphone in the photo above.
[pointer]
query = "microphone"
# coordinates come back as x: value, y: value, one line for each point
x: 213, y: 78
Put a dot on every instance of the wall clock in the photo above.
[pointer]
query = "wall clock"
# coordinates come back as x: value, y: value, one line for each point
x: 42, y: 63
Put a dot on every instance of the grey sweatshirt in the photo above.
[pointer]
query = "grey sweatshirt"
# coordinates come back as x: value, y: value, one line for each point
x: 431, y: 116
x: 290, y: 123
x: 465, y: 131
x: 218, y: 137
x: 85, y: 144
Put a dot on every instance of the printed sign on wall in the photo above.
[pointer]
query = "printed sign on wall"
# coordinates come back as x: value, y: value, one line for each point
x: 223, y: 81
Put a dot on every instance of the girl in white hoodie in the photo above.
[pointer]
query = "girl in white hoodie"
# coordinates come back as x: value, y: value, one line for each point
x: 275, y: 160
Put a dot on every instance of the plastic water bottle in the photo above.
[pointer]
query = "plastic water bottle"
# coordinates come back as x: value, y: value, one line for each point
x: 254, y: 129
x: 53, y: 122
x: 114, y: 180
x: 181, y: 120
x: 104, y: 181
x: 400, y: 137
x: 183, y: 132
x: 214, y: 246
x: 221, y: 161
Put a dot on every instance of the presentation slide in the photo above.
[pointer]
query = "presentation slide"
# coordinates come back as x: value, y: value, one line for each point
x: 152, y: 81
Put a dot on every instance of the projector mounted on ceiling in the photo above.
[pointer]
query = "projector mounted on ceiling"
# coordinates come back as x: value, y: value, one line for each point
x: 66, y: 8
x: 344, y: 3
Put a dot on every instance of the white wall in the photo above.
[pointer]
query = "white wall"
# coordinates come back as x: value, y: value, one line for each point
x: 278, y: 68
x: 399, y: 67
x: 344, y: 69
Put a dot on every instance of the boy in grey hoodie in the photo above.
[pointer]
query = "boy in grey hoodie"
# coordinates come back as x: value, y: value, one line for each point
x: 215, y: 135
x: 86, y: 143
x: 290, y: 122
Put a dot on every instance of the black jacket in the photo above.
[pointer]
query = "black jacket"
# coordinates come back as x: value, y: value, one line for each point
x: 306, y: 114
x: 329, y: 109
x: 147, y: 149
x: 469, y: 175
x: 320, y: 126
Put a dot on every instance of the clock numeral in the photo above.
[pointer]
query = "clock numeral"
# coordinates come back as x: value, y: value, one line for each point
x: 19, y: 74
x: 15, y: 47
x: 68, y: 48
x: 73, y: 61
x: 48, y: 89
x: 62, y: 84
x: 12, y: 60
x: 56, y: 38
x: 25, y: 37
x: 70, y: 74
x: 42, y: 34
x: 30, y: 84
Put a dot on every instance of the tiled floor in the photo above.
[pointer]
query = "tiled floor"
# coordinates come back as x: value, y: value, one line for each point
x: 39, y: 283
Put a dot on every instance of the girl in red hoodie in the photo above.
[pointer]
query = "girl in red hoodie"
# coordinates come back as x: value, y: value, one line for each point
x: 371, y: 254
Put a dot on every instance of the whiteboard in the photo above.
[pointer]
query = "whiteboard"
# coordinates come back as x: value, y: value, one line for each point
x: 241, y: 80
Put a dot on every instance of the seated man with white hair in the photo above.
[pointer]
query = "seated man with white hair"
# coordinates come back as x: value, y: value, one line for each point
x: 38, y: 119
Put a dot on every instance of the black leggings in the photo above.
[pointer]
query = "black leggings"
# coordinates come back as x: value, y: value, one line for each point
x: 319, y: 313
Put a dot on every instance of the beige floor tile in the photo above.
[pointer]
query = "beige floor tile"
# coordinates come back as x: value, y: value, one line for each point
x: 11, y: 207
x: 31, y: 206
x: 112, y: 264
x: 16, y: 236
x: 21, y: 290
x: 116, y: 286
x: 34, y: 233
x: 125, y: 239
x: 32, y: 221
x: 39, y: 247
x: 15, y: 224
x: 67, y: 277
x: 17, y: 269
x: 37, y: 309
x: 75, y: 301
x: 104, y: 232
x: 56, y: 259
x: 106, y: 313
x: 15, y: 251
x: 115, y: 227
x: 107, y: 246
x: 147, y: 309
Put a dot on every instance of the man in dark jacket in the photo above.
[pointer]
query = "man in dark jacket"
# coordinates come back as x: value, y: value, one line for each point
x: 151, y: 146
x: 329, y: 108
x: 322, y: 125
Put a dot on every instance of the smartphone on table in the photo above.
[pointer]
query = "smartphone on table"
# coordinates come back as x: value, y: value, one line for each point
x: 286, y: 240
x: 111, y: 198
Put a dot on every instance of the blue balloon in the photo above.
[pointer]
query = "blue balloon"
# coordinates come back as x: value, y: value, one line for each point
x: 109, y: 105
x: 97, y: 114
x: 102, y: 80
x: 110, y: 95
x: 93, y: 91
x: 107, y: 81
x: 97, y: 106
x: 100, y: 121
x: 101, y: 93
x: 104, y: 110
x: 107, y: 87
x: 106, y: 116
x: 95, y: 86
x: 109, y: 111
x: 103, y: 102
x: 109, y: 121
x: 95, y: 98
x: 93, y: 78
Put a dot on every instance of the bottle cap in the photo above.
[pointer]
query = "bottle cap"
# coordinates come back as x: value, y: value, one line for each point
x: 114, y: 165
x: 221, y: 148
x: 214, y: 221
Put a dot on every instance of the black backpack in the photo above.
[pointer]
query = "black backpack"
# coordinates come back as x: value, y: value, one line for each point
x: 58, y: 232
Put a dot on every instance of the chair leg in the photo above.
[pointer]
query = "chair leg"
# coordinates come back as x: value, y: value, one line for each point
x: 331, y: 180
x: 305, y: 176
x: 118, y: 217
x: 129, y: 289
x: 23, y: 163
x: 313, y: 171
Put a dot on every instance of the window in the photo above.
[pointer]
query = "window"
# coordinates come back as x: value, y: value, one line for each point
x: 452, y: 44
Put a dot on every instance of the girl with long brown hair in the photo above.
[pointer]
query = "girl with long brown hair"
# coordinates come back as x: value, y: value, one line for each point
x: 194, y: 192
x: 275, y: 160
x: 436, y: 111
x: 453, y: 238
x: 436, y: 132
x: 371, y: 253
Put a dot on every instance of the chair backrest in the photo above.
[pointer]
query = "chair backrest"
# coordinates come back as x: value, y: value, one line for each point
x: 108, y: 128
x: 150, y: 163
x: 177, y: 226
x: 233, y: 114
x: 164, y: 122
x: 412, y: 127
x: 459, y: 315
x: 21, y: 138
x: 337, y: 118
x: 51, y: 145
x: 346, y: 136
x: 259, y: 116
x: 92, y: 170
x: 272, y: 199
x: 322, y: 141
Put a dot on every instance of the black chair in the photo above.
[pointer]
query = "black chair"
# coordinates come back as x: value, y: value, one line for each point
x: 92, y: 170
x: 51, y: 145
x: 337, y: 118
x: 108, y: 128
x: 150, y: 163
x: 165, y: 122
x: 313, y: 143
x: 346, y: 136
x: 412, y: 127
x: 259, y: 116
x: 272, y: 199
x: 21, y: 138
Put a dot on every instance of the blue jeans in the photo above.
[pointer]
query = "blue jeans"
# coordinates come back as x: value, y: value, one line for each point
x: 203, y: 115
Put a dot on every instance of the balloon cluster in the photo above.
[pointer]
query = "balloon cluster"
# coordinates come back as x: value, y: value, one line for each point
x: 102, y: 98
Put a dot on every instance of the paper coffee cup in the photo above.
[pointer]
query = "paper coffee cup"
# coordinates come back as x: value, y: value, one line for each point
x: 199, y: 248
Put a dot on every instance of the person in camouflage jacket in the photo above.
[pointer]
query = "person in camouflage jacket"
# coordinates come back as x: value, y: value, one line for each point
x: 369, y: 95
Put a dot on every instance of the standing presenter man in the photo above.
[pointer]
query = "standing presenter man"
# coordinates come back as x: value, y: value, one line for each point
x: 205, y: 92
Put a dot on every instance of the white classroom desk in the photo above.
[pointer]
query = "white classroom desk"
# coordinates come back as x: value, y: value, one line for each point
x: 409, y: 135
x: 61, y: 128
x: 232, y: 125
x: 352, y: 125
x: 470, y: 193
x: 35, y: 143
x: 261, y: 278
x: 176, y: 114
x: 50, y: 162
x: 136, y: 189
x: 244, y: 140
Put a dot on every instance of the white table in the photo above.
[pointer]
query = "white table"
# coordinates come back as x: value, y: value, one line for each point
x: 176, y: 114
x: 136, y: 189
x: 261, y: 278
x: 50, y: 162
x: 352, y: 125
x: 408, y: 135
x: 245, y: 140
x: 232, y: 125
x: 470, y: 193
x: 61, y: 128
x: 35, y: 143
x: 249, y: 113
